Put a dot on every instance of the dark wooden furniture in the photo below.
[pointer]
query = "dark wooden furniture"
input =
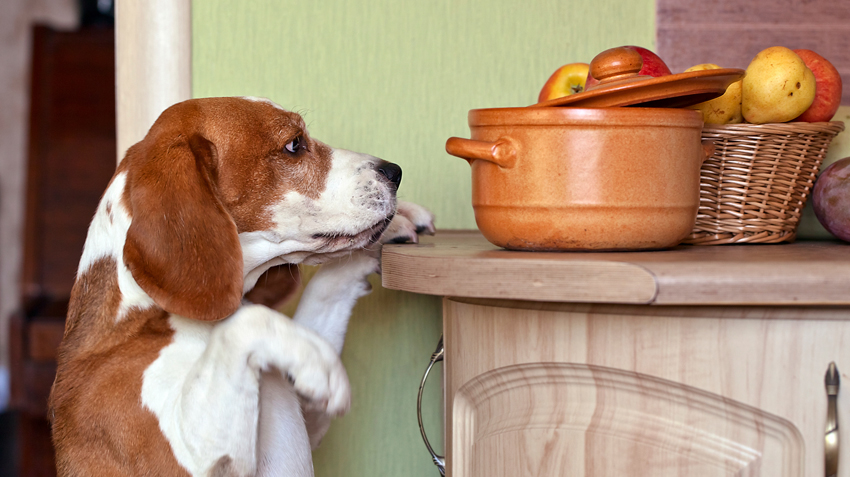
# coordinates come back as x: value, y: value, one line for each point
x: 71, y: 159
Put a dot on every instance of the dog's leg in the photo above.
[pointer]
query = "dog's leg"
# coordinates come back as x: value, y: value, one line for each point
x: 328, y: 299
x: 211, y: 418
x: 283, y: 446
x: 330, y: 296
x: 325, y: 307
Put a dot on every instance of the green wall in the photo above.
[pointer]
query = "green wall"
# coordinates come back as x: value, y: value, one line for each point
x: 396, y: 78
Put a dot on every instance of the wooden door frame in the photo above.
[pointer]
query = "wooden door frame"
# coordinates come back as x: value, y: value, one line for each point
x: 153, y: 63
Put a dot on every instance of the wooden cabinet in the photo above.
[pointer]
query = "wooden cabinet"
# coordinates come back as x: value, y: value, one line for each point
x: 705, y: 361
x: 71, y: 160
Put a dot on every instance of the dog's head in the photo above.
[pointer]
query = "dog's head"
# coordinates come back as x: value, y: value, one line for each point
x: 221, y: 189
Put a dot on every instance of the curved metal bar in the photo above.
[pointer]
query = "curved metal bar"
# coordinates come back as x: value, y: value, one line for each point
x: 439, y: 460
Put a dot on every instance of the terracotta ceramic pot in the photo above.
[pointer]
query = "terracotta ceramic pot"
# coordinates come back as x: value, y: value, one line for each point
x: 584, y: 179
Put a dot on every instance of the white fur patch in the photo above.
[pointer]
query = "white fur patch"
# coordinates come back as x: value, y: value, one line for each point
x: 106, y: 237
x: 162, y: 389
x: 204, y: 387
x: 263, y: 100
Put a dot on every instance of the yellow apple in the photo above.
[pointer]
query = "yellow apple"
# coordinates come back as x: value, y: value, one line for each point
x: 725, y: 109
x: 777, y: 88
x: 566, y: 80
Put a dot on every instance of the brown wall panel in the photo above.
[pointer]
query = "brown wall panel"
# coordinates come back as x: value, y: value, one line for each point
x: 731, y: 32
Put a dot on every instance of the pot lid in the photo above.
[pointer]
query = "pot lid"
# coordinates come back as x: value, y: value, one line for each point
x: 620, y: 85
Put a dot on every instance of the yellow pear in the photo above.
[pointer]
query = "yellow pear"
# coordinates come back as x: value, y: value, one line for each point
x: 724, y: 109
x: 777, y: 88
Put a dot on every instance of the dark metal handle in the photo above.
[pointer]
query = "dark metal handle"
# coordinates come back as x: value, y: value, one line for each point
x: 439, y: 460
x: 833, y: 382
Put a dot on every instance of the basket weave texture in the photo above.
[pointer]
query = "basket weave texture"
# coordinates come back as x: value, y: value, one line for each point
x: 755, y: 185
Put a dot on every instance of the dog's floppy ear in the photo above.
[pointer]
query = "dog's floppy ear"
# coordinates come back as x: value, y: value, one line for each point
x: 182, y: 246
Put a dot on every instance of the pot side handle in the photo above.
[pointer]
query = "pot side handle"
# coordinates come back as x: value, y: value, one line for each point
x: 502, y: 152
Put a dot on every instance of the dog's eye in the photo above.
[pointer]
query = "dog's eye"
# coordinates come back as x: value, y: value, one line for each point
x: 294, y: 145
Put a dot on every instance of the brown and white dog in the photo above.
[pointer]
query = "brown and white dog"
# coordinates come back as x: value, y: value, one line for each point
x: 165, y: 369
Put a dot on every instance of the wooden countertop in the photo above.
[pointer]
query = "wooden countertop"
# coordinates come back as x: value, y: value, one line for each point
x: 465, y: 264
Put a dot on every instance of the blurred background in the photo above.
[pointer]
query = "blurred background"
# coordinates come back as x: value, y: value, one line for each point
x: 56, y: 93
x: 393, y: 78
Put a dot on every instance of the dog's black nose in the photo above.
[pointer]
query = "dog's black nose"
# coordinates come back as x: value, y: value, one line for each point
x: 391, y: 171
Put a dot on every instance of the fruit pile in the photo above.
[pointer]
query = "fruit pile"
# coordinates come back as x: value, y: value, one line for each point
x: 780, y: 85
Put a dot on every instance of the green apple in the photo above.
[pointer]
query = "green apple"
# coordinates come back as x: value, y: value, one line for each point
x: 725, y: 109
x: 777, y: 88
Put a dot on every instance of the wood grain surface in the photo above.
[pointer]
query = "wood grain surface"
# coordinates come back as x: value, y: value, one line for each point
x: 620, y: 390
x: 463, y: 263
x: 536, y: 419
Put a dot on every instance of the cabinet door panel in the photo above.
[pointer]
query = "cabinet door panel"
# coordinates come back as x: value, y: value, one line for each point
x: 556, y: 418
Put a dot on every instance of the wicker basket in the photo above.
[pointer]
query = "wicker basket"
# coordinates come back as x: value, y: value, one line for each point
x: 754, y: 187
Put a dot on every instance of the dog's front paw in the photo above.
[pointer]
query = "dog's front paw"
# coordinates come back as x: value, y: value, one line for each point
x: 410, y: 221
x: 347, y: 276
x: 265, y: 339
x: 319, y: 377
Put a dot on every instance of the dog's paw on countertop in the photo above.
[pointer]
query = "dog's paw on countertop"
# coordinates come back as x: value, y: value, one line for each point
x: 410, y: 221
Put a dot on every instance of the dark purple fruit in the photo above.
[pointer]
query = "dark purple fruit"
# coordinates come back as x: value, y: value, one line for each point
x: 831, y: 198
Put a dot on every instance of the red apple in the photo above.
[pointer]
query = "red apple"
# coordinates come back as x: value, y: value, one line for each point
x: 831, y: 198
x: 653, y: 65
x: 566, y: 80
x: 827, y: 88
